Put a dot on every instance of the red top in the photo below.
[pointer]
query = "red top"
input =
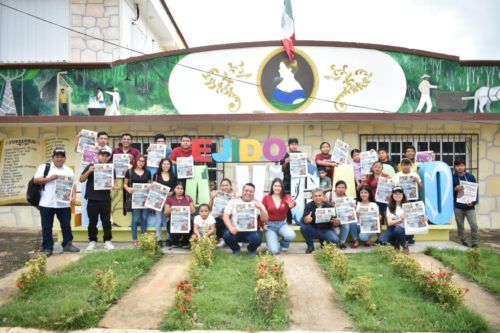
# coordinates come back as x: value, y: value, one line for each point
x: 374, y: 182
x: 173, y: 201
x: 178, y: 152
x: 131, y: 151
x: 276, y: 214
x: 328, y: 158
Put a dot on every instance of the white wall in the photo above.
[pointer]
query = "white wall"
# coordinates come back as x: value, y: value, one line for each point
x: 24, y: 38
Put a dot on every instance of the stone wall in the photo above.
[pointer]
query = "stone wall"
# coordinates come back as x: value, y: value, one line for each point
x: 310, y: 137
x: 98, y: 18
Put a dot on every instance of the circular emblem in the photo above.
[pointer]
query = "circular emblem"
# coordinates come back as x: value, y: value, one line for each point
x: 287, y: 85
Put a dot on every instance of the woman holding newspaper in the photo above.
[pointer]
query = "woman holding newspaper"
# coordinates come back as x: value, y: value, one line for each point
x: 165, y: 176
x: 395, y: 233
x: 218, y: 201
x: 138, y: 174
x: 179, y: 209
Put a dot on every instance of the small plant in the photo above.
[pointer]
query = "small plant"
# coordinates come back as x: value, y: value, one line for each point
x: 37, y: 271
x: 407, y: 266
x: 183, y: 299
x: 271, y: 283
x: 473, y: 261
x: 196, y: 274
x: 439, y: 286
x: 104, y: 285
x: 203, y: 249
x: 147, y: 243
x: 359, y: 289
x: 385, y: 252
x: 327, y: 252
x: 340, y: 265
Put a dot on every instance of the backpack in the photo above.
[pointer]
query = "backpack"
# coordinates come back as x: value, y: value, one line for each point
x: 33, y: 194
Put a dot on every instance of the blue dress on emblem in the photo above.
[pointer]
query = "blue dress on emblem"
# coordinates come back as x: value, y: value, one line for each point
x: 288, y: 97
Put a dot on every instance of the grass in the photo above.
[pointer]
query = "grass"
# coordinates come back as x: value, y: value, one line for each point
x: 65, y: 301
x: 490, y: 260
x: 227, y: 301
x: 400, y: 304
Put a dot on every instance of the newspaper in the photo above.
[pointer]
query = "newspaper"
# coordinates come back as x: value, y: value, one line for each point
x: 415, y: 221
x: 367, y: 158
x: 157, y: 196
x: 298, y: 165
x: 469, y: 194
x: 384, y: 189
x: 122, y: 164
x: 185, y: 167
x: 103, y: 176
x: 63, y: 189
x: 139, y: 195
x: 324, y: 215
x: 424, y: 156
x: 220, y: 202
x: 90, y: 154
x: 155, y: 154
x: 369, y: 219
x: 410, y: 187
x: 246, y: 217
x: 86, y: 138
x: 180, y: 217
x: 340, y: 152
x: 346, y: 210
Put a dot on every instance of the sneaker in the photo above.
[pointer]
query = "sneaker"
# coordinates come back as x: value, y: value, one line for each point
x: 108, y: 245
x: 252, y: 254
x: 310, y: 249
x: 342, y: 246
x: 411, y: 241
x: 240, y: 244
x: 221, y: 243
x: 236, y: 253
x: 465, y: 244
x: 284, y: 249
x: 70, y: 248
x: 92, y: 246
x: 47, y: 252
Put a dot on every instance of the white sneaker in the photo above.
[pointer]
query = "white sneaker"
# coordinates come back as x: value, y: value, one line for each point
x: 108, y: 245
x: 92, y: 246
x: 284, y: 249
x: 221, y: 243
x: 240, y: 244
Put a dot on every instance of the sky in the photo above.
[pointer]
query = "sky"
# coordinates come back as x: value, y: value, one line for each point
x: 469, y: 29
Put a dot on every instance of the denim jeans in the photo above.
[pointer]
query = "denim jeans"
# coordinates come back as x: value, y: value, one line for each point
x: 470, y: 214
x: 220, y: 227
x: 161, y: 221
x: 139, y: 216
x: 47, y: 217
x: 344, y: 232
x: 253, y: 238
x: 363, y: 237
x: 275, y: 230
x: 394, y: 235
x: 311, y: 233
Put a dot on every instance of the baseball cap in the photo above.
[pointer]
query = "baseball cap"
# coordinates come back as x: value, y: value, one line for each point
x: 59, y: 151
x: 397, y: 189
x: 105, y: 150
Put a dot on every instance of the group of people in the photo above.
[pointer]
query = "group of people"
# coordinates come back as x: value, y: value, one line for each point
x: 273, y: 212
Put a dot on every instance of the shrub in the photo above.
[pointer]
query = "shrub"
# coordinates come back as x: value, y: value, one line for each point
x: 203, y: 249
x: 147, y: 243
x: 407, y: 266
x: 441, y: 289
x: 37, y: 271
x: 327, y: 252
x: 104, y: 285
x: 359, y: 289
x: 473, y: 261
x: 196, y: 274
x: 183, y: 299
x: 340, y: 265
x: 385, y: 252
x: 271, y: 283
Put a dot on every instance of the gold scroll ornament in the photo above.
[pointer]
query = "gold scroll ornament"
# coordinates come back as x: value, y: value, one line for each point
x: 223, y: 83
x: 353, y: 82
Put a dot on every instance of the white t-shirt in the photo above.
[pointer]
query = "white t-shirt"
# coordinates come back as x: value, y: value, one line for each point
x: 231, y: 208
x: 204, y: 224
x: 399, y: 211
x: 47, y: 198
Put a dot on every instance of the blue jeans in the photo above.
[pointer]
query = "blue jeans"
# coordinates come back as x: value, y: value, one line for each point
x: 276, y: 229
x: 161, y: 221
x: 394, y: 235
x: 363, y: 237
x: 344, y: 232
x: 220, y: 227
x: 311, y: 233
x: 253, y: 238
x: 139, y: 216
x: 47, y: 217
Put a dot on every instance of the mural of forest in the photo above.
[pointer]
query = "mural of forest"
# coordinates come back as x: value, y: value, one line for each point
x: 141, y: 88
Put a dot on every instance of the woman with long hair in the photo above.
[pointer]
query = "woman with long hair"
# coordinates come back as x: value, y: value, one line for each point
x: 165, y: 176
x: 372, y: 181
x: 222, y: 197
x: 395, y: 233
x: 278, y: 204
x: 366, y: 200
x: 179, y: 198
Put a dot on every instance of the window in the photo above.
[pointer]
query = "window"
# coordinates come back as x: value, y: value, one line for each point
x: 447, y: 147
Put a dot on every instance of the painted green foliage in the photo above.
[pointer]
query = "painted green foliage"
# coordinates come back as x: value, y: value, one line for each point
x: 449, y: 76
x: 143, y: 86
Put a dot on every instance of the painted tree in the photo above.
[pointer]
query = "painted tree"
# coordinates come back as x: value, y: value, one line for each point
x: 8, y: 106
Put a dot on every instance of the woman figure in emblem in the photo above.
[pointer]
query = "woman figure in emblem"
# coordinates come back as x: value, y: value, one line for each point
x: 288, y: 94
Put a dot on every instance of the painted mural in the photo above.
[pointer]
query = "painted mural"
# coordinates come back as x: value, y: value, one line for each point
x: 256, y: 80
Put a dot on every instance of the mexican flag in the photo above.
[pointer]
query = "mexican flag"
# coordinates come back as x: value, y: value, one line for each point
x: 288, y: 28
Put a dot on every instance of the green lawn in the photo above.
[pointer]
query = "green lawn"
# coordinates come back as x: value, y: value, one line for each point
x: 490, y: 260
x: 400, y: 304
x: 227, y: 301
x: 65, y: 301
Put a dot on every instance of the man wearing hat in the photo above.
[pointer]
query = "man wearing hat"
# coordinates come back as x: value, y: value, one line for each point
x: 425, y: 94
x: 114, y: 108
x: 98, y: 204
x: 50, y: 207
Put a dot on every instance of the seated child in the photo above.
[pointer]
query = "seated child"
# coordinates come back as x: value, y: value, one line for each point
x: 204, y: 223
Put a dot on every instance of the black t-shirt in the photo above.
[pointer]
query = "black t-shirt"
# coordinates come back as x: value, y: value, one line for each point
x: 134, y: 178
x: 311, y: 208
x: 170, y: 183
x: 90, y: 193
